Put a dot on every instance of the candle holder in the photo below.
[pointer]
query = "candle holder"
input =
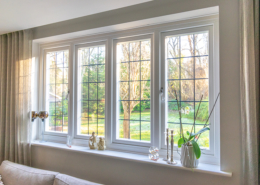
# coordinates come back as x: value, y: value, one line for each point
x: 172, y: 162
x: 167, y: 144
x: 43, y: 115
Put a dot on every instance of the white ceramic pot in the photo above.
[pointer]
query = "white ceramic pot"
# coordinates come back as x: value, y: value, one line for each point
x: 188, y: 158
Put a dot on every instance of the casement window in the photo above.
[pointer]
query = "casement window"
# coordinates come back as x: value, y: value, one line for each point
x: 122, y: 86
x: 91, y: 90
x: 133, y: 92
x: 57, y: 89
x: 188, y: 68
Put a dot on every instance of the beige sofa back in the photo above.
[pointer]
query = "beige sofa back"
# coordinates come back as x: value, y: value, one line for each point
x: 16, y: 174
x: 62, y: 179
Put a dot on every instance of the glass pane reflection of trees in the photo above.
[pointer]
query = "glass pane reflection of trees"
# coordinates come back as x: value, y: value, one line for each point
x: 91, y: 90
x: 57, y: 91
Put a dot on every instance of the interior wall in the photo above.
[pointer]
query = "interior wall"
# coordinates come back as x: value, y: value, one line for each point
x: 111, y: 171
x: 116, y: 171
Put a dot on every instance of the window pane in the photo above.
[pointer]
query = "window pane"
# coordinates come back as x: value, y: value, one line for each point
x: 187, y: 46
x: 187, y: 76
x: 135, y: 130
x: 203, y: 112
x: 135, y: 90
x: 92, y: 73
x: 173, y: 68
x: 201, y: 67
x: 145, y: 110
x: 101, y: 73
x: 133, y: 64
x: 101, y: 127
x: 57, y: 90
x: 172, y: 45
x: 93, y: 91
x: 84, y: 74
x: 173, y: 114
x: 124, y: 71
x: 134, y: 71
x: 51, y: 123
x: 202, y: 89
x: 204, y: 137
x: 146, y: 50
x: 102, y: 55
x: 135, y: 51
x: 173, y: 85
x: 145, y: 70
x: 101, y: 91
x: 177, y: 131
x: 201, y: 44
x: 83, y: 91
x: 145, y: 131
x: 91, y: 95
x: 187, y: 90
x: 84, y: 117
x: 187, y: 68
x: 145, y: 90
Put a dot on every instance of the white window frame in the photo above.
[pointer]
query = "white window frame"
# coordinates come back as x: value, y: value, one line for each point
x: 50, y: 134
x: 76, y: 80
x: 156, y: 33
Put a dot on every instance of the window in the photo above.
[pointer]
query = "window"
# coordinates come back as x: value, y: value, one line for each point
x: 57, y: 91
x: 187, y: 74
x: 122, y: 86
x: 133, y: 90
x: 91, y: 90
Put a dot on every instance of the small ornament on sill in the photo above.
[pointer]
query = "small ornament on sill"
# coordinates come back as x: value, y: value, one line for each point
x: 69, y: 141
x: 92, y: 141
x: 101, y: 144
x: 154, y: 156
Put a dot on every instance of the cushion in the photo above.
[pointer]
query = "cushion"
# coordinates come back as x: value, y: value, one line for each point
x: 14, y: 174
x: 62, y: 179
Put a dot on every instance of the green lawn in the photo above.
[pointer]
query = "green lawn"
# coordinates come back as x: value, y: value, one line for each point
x: 173, y: 116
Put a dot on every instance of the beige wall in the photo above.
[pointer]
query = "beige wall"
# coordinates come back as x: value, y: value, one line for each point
x: 111, y: 171
x: 116, y: 171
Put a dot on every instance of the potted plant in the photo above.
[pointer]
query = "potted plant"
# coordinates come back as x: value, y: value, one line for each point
x: 188, y: 142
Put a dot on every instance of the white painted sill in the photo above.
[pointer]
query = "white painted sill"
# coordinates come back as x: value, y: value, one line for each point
x: 203, y: 168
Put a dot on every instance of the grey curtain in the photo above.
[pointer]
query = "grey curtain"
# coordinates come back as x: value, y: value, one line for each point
x: 249, y: 79
x: 15, y: 96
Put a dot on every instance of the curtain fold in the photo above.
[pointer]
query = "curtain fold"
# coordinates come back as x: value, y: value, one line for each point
x: 15, y: 96
x: 249, y: 89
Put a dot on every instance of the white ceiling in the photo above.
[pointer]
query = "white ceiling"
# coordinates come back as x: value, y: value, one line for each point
x: 23, y: 14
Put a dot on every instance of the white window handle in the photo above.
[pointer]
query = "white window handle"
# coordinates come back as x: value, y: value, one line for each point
x: 67, y: 96
x: 162, y: 95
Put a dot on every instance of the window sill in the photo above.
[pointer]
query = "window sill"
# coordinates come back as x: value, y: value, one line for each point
x: 203, y: 168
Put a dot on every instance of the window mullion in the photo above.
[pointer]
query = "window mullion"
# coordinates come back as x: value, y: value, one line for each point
x: 72, y: 93
x: 156, y: 84
x: 109, y: 95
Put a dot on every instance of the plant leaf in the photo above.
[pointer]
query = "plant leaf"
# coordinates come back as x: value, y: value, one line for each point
x: 201, y: 131
x: 196, y: 149
x: 180, y: 142
x: 191, y: 136
x: 188, y: 133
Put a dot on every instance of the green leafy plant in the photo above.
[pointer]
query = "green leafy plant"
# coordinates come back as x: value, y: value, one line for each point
x: 191, y: 138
